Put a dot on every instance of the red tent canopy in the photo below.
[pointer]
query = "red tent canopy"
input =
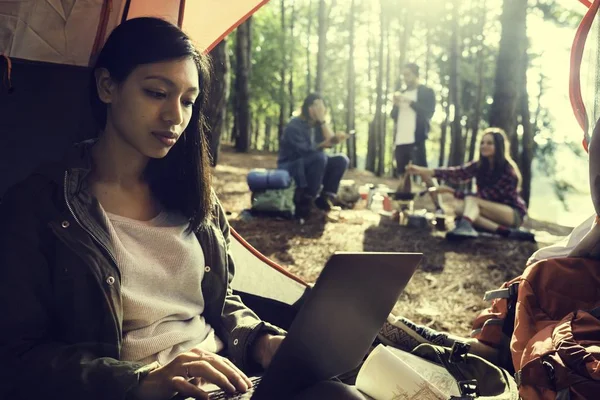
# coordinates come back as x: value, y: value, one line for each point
x: 70, y: 31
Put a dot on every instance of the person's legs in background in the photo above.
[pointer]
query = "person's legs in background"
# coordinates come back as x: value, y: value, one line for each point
x: 307, y: 173
x: 487, y: 215
x: 420, y: 154
x: 403, y: 153
x: 296, y: 170
x: 337, y: 164
x: 314, y: 169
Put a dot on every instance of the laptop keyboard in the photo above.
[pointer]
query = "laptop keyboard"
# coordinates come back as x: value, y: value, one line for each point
x: 222, y: 395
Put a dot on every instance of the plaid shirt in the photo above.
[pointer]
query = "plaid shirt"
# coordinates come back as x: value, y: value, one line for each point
x: 501, y: 190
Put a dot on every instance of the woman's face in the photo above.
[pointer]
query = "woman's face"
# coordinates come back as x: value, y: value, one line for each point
x: 487, y: 147
x: 150, y: 110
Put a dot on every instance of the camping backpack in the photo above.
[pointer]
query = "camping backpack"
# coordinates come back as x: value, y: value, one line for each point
x: 550, y: 316
x: 275, y: 202
x: 272, y: 192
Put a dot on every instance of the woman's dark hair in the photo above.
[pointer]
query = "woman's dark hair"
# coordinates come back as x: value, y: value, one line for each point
x: 181, y: 181
x: 308, y: 101
x: 502, y: 158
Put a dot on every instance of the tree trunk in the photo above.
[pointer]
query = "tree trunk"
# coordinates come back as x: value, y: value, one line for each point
x: 503, y: 112
x: 444, y: 132
x: 291, y: 62
x: 256, y: 129
x: 268, y: 125
x: 308, y: 33
x: 480, y: 83
x: 369, y: 63
x: 371, y: 148
x: 350, y: 103
x: 527, y: 154
x: 216, y: 109
x: 457, y: 151
x: 383, y: 149
x: 283, y: 71
x: 322, y: 46
x: 377, y: 120
x: 242, y: 111
x: 428, y: 52
x: 408, y: 25
x: 538, y: 108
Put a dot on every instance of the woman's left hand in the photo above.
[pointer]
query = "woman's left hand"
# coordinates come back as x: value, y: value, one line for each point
x: 265, y: 348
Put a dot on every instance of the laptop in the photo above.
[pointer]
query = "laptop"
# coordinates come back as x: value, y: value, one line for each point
x: 337, y: 323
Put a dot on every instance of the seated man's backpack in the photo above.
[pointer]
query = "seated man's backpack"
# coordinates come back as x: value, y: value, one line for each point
x: 272, y: 193
x: 547, y: 324
x: 274, y: 202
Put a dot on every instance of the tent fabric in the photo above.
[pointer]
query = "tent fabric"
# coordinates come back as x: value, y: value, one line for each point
x: 49, y: 30
x: 263, y: 277
x: 71, y: 31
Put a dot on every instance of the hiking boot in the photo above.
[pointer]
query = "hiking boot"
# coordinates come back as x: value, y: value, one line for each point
x: 303, y: 203
x: 324, y: 203
x: 404, y: 334
x: 521, y: 234
x: 463, y: 230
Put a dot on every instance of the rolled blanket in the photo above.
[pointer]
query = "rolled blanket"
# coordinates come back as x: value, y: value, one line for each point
x: 260, y: 179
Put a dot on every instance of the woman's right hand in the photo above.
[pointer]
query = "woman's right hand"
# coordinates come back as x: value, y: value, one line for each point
x: 418, y: 170
x: 187, y: 372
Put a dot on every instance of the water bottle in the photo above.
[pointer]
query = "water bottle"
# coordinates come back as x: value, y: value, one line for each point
x: 377, y: 203
x: 370, y: 195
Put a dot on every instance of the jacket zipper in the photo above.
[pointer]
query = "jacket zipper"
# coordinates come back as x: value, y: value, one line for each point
x: 81, y: 225
x: 118, y: 329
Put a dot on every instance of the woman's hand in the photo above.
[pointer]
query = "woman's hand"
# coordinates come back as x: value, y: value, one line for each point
x: 265, y: 348
x: 187, y: 372
x: 423, y: 172
x: 341, y: 136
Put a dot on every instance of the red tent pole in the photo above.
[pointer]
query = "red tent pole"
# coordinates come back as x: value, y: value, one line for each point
x: 575, y: 73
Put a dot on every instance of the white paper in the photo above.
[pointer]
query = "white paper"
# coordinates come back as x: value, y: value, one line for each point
x: 435, y: 374
x: 384, y: 376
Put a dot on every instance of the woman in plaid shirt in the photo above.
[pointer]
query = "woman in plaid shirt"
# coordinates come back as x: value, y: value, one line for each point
x: 497, y: 205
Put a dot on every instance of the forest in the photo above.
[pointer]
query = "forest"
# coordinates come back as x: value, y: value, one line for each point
x: 474, y: 54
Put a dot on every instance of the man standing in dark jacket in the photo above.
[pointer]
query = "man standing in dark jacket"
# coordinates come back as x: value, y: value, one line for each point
x: 301, y: 154
x: 412, y: 112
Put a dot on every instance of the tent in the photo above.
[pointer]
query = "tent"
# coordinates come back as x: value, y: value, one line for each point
x: 71, y: 31
x: 47, y: 109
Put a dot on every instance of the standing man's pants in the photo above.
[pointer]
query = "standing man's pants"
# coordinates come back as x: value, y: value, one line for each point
x: 405, y: 153
x: 317, y: 169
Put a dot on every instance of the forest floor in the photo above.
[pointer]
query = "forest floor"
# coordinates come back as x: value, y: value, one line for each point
x: 446, y: 291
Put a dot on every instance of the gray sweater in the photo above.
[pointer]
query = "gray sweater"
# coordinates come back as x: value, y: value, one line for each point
x: 162, y: 267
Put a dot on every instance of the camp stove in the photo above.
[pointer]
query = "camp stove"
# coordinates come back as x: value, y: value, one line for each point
x: 405, y: 213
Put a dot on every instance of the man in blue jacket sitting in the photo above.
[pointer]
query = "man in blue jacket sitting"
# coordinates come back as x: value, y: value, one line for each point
x: 301, y: 154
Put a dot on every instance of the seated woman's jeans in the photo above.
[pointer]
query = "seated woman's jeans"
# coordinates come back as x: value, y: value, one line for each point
x: 317, y: 169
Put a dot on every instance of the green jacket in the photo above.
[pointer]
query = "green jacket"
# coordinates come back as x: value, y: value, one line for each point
x: 60, y: 292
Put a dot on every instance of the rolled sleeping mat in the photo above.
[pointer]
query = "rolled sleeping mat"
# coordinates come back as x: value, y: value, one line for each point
x: 260, y: 179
